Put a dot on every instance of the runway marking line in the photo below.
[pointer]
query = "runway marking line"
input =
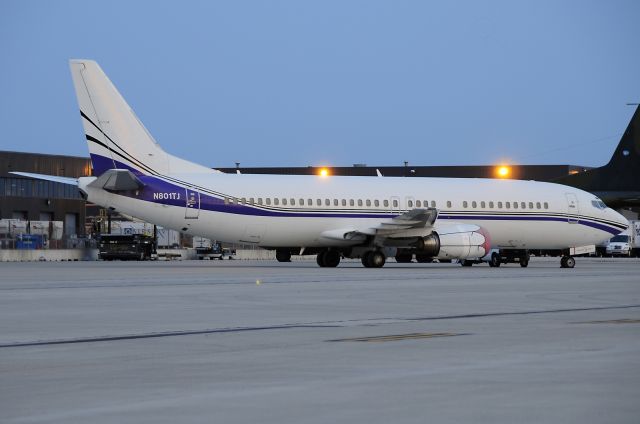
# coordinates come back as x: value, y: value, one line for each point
x: 612, y: 321
x: 396, y: 337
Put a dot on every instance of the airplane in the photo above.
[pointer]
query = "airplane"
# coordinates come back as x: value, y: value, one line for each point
x: 370, y: 218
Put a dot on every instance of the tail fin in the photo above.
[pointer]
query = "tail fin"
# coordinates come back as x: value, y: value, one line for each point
x: 116, y: 137
x: 618, y: 182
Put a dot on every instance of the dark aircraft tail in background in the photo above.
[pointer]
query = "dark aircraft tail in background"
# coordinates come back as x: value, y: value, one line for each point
x: 618, y: 182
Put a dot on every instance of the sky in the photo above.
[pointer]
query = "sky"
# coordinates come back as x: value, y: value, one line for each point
x: 298, y: 83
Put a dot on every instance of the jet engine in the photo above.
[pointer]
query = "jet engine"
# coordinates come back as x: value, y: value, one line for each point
x: 455, y: 241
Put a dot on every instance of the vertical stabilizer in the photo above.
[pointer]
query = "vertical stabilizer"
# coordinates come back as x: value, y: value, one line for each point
x: 618, y: 182
x: 116, y: 137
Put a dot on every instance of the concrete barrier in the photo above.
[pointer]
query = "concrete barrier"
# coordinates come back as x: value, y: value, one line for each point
x: 29, y: 255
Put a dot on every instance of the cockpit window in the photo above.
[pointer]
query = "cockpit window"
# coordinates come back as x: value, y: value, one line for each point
x: 598, y: 204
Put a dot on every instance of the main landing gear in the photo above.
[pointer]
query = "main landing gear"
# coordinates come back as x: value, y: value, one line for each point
x: 567, y: 262
x: 283, y: 255
x: 328, y: 258
x: 373, y: 259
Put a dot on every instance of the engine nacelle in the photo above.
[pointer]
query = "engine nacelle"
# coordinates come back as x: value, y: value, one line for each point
x: 462, y: 241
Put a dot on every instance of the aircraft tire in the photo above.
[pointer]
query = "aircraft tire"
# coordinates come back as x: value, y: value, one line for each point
x: 320, y: 259
x: 404, y: 258
x: 423, y: 259
x: 283, y: 256
x: 567, y: 262
x: 494, y: 262
x: 466, y: 262
x: 331, y: 258
x: 376, y: 259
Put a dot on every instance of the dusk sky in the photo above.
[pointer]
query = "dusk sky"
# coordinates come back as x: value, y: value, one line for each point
x: 297, y: 83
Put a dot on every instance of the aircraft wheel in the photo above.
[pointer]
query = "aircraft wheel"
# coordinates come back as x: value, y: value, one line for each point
x: 365, y: 259
x: 524, y: 261
x: 466, y: 262
x: 331, y: 258
x: 320, y: 258
x: 377, y: 259
x: 404, y: 258
x: 494, y: 262
x: 424, y: 259
x: 567, y: 262
x: 283, y: 256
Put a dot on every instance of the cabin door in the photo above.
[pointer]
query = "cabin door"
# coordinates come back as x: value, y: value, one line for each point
x: 573, y: 208
x: 192, y: 210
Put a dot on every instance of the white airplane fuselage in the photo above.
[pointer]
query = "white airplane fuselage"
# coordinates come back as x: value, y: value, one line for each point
x: 554, y: 216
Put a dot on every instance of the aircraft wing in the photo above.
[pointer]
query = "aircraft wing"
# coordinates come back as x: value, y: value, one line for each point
x: 410, y: 223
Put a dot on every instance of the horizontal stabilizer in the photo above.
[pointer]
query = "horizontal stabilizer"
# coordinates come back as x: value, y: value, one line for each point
x: 54, y: 178
x: 117, y: 180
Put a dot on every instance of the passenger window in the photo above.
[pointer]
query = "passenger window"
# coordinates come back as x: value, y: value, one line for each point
x: 327, y: 202
x: 515, y: 205
x: 490, y: 205
x: 426, y: 203
x: 474, y: 204
x: 344, y: 202
x: 309, y: 202
x: 276, y: 201
x: 448, y: 203
x: 226, y: 200
x: 268, y: 201
x: 284, y: 202
x: 418, y: 204
x: 508, y: 205
x: 523, y: 205
x: 530, y: 205
x: 385, y: 203
x: 251, y: 200
x: 433, y: 203
x: 260, y: 200
x: 499, y: 205
x: 482, y: 205
x: 359, y: 202
x: 319, y: 202
x: 232, y: 201
x: 537, y: 205
x: 465, y: 204
x: 301, y: 202
x: 410, y: 203
x: 546, y: 205
x: 335, y: 202
x: 395, y: 203
x: 368, y: 202
x: 243, y: 201
x: 376, y: 203
x: 352, y: 202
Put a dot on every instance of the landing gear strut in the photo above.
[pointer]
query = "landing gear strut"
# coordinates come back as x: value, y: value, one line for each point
x: 567, y: 262
x: 373, y: 259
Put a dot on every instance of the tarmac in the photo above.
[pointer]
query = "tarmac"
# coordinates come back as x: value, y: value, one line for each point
x: 264, y: 342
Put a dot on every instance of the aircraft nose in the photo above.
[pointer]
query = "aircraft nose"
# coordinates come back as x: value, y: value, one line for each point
x: 619, y: 219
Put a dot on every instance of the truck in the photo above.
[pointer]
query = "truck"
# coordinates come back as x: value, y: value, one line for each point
x: 627, y: 243
x: 206, y: 249
x: 137, y: 247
